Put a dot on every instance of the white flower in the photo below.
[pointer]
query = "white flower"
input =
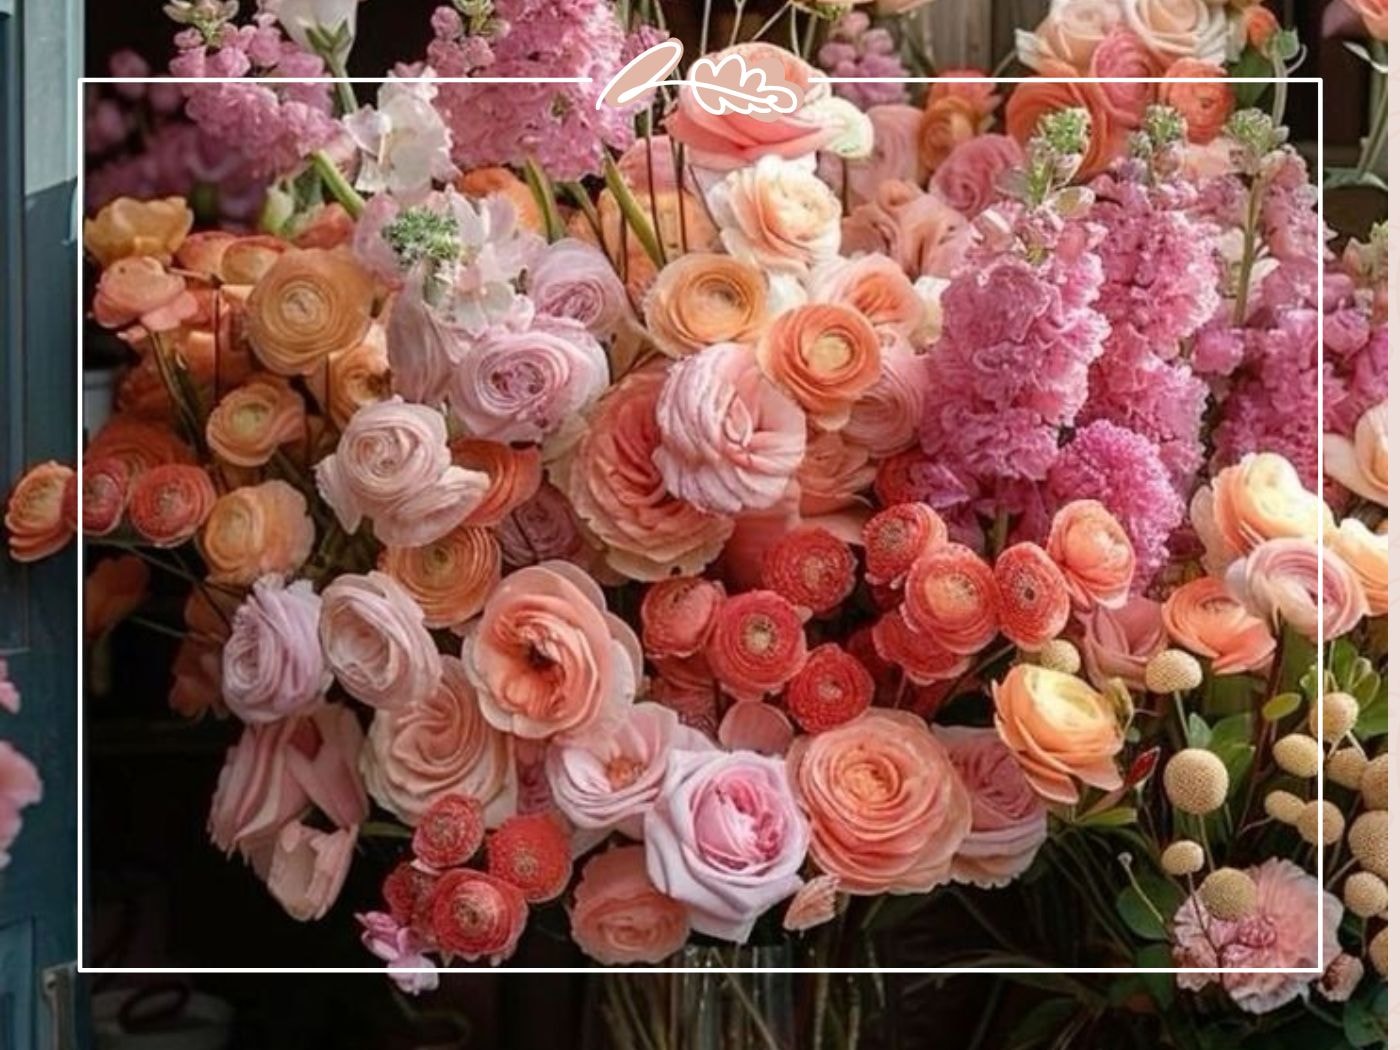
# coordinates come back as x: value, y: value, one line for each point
x: 404, y: 143
x: 855, y: 134
x: 303, y: 18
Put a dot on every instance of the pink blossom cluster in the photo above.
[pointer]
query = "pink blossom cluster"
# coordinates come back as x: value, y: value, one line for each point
x: 855, y: 48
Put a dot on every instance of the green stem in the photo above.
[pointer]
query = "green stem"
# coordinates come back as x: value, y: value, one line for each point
x: 632, y: 211
x: 337, y: 184
x: 1376, y: 137
x: 1251, y: 249
x: 542, y: 187
x: 346, y: 101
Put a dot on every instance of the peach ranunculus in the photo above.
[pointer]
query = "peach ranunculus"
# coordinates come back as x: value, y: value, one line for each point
x: 113, y: 589
x: 1033, y: 99
x: 1367, y: 554
x: 1205, y: 618
x: 515, y: 475
x: 1205, y: 106
x: 255, y: 530
x: 885, y: 419
x: 1094, y: 552
x: 1068, y: 35
x: 141, y: 290
x: 252, y: 421
x: 34, y: 516
x: 1122, y: 53
x: 970, y: 176
x: 606, y: 780
x: 730, y: 439
x: 449, y: 577
x: 1261, y: 498
x: 353, y: 378
x: 726, y: 838
x: 920, y: 231
x: 138, y: 444
x: 682, y: 223
x: 272, y: 664
x: 777, y: 216
x: 393, y: 466
x: 547, y: 658
x: 167, y: 505
x: 875, y: 287
x: 1009, y: 820
x: 705, y: 298
x: 1175, y: 29
x: 619, y: 918
x: 887, y: 808
x: 833, y: 473
x: 950, y: 597
x: 308, y: 867
x: 824, y: 357
x: 1118, y: 642
x: 128, y: 227
x: 309, y: 304
x: 1363, y: 463
x: 615, y: 481
x: 1060, y: 730
x: 438, y: 745
x: 730, y: 140
x: 1278, y: 582
x: 375, y: 642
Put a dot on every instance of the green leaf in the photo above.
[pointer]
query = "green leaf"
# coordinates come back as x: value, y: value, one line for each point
x: 1373, y: 720
x: 1137, y: 916
x: 1251, y: 64
x: 1363, y: 1025
x: 1237, y: 729
x: 1118, y: 817
x: 1281, y: 706
x: 1039, y: 1027
x: 1197, y: 731
x: 1159, y: 985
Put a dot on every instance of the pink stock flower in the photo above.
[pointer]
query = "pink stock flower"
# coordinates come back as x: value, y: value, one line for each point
x: 272, y: 663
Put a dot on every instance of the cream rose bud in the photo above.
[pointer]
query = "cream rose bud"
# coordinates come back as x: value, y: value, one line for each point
x: 300, y: 18
x: 392, y: 465
x: 272, y: 663
x: 853, y: 135
x: 374, y: 640
x: 440, y: 745
x: 1069, y: 34
x: 777, y: 215
x: 726, y: 839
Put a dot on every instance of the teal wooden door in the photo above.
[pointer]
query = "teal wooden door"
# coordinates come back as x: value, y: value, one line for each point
x: 40, y: 52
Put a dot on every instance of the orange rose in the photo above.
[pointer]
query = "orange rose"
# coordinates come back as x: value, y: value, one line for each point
x: 34, y: 518
x: 888, y: 810
x: 1093, y: 552
x: 1060, y: 731
x: 449, y: 578
x: 128, y: 227
x: 167, y: 505
x: 824, y: 357
x: 1204, y: 617
x: 1033, y: 99
x: 113, y: 590
x: 947, y: 122
x: 255, y: 530
x: 250, y: 422
x: 1261, y: 498
x: 705, y: 298
x: 515, y: 475
x: 1205, y: 106
x: 140, y: 289
x: 309, y: 304
x: 950, y: 596
x: 484, y: 182
x: 353, y: 378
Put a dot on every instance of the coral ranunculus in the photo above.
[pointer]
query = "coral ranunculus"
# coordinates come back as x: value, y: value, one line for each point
x: 619, y: 917
x: 168, y: 504
x: 1032, y: 597
x: 1094, y: 553
x: 811, y: 568
x: 896, y: 538
x: 309, y: 304
x: 34, y: 517
x: 1204, y: 617
x: 1205, y: 106
x: 950, y: 595
x: 476, y: 915
x: 824, y: 357
x: 678, y: 615
x: 449, y: 578
x: 831, y: 689
x: 757, y: 644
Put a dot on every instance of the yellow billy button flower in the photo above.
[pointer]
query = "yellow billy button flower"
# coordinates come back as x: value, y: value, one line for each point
x: 1196, y: 781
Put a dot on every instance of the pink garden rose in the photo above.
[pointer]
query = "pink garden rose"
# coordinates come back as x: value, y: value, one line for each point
x: 619, y: 917
x: 542, y: 528
x: 522, y: 381
x: 607, y: 780
x: 272, y: 664
x: 885, y: 419
x: 547, y: 658
x: 20, y: 787
x: 894, y: 158
x: 777, y: 216
x: 392, y: 465
x: 308, y: 869
x: 1174, y: 29
x: 971, y: 176
x: 920, y: 231
x: 1118, y: 643
x: 1278, y: 582
x: 375, y: 642
x: 440, y: 744
x: 730, y: 439
x: 726, y: 839
x: 1282, y: 932
x: 1009, y: 820
x: 575, y: 280
x: 1068, y: 35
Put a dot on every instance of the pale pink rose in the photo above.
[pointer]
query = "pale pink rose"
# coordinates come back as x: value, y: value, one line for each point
x: 777, y: 215
x: 1278, y: 582
x: 1282, y: 933
x: 732, y: 140
x: 1068, y: 35
x: 1009, y: 820
x: 522, y: 381
x: 1124, y: 54
x: 1174, y: 29
x: 726, y: 839
x: 401, y: 948
x: 9, y: 695
x: 920, y: 231
x: 375, y: 642
x: 752, y: 725
x: 730, y: 439
x: 542, y: 528
x: 575, y: 280
x: 885, y: 419
x: 813, y: 905
x: 894, y: 158
x: 308, y: 869
x: 606, y: 780
x: 20, y: 787
x: 422, y: 346
x: 875, y: 287
x: 276, y: 772
x: 439, y: 745
x: 970, y: 179
x: 392, y: 465
x: 1363, y: 463
x: 272, y: 664
x: 547, y: 658
x: 1118, y: 643
x: 619, y: 917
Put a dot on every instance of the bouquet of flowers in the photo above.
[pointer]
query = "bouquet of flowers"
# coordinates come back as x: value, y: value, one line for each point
x: 719, y: 527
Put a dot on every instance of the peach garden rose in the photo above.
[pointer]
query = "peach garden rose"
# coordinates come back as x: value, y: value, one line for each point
x: 778, y: 216
x: 619, y: 917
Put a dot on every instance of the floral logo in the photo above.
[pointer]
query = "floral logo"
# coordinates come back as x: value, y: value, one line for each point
x: 727, y: 85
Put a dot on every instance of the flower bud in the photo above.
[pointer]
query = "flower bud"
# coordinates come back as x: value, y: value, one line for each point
x: 1196, y: 781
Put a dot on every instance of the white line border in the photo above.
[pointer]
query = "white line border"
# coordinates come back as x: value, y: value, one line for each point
x: 81, y: 678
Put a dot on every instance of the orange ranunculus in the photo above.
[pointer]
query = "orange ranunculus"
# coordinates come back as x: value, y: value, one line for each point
x: 255, y: 530
x: 1205, y: 618
x: 810, y: 567
x: 888, y: 810
x: 138, y: 444
x: 1032, y: 596
x: 484, y: 182
x: 106, y: 482
x: 1205, y: 106
x: 515, y: 475
x: 833, y: 473
x: 924, y: 660
x: 112, y: 590
x: 875, y: 287
x: 897, y: 537
x: 950, y: 595
x: 168, y: 504
x: 824, y: 357
x: 1262, y: 498
x: 1060, y: 730
x: 34, y: 517
x: 127, y: 227
x: 203, y: 253
x: 1033, y: 99
x: 251, y: 421
x: 947, y: 122
x: 353, y: 378
x: 1094, y: 553
x: 449, y: 578
x: 309, y: 304
x: 705, y: 298
x: 246, y: 260
x: 141, y: 290
x: 757, y: 644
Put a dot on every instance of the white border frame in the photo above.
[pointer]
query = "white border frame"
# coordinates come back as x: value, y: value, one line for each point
x: 1315, y: 82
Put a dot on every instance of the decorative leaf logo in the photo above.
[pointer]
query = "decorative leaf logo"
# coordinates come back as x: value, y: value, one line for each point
x: 645, y: 72
x: 731, y: 85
